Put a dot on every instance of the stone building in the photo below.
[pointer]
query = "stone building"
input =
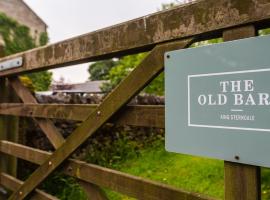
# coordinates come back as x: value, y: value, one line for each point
x: 23, y: 14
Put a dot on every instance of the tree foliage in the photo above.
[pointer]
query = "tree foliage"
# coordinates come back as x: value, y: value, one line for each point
x: 41, y: 80
x: 128, y: 63
x: 100, y: 70
x: 17, y: 38
x: 123, y: 67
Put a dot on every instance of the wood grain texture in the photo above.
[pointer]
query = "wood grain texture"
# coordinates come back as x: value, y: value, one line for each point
x: 9, y: 125
x: 24, y: 152
x: 242, y: 182
x: 46, y: 125
x: 143, y: 74
x: 204, y: 18
x: 8, y: 129
x: 120, y: 182
x: 142, y: 115
x: 13, y: 184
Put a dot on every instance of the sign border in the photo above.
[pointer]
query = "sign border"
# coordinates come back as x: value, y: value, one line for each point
x: 219, y: 74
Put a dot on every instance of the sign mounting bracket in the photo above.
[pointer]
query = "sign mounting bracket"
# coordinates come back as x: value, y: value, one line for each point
x: 10, y: 64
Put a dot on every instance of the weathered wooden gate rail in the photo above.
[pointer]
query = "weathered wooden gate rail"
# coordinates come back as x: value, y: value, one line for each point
x: 117, y: 181
x: 204, y: 19
x: 160, y: 32
x: 147, y: 116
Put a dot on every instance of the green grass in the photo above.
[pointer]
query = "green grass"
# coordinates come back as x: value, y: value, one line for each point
x: 265, y: 184
x: 205, y: 176
x: 190, y: 173
x: 186, y: 172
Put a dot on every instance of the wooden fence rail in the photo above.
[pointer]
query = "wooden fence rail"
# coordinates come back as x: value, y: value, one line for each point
x: 13, y: 184
x: 148, y: 116
x: 158, y: 33
x: 203, y: 19
x: 112, y: 179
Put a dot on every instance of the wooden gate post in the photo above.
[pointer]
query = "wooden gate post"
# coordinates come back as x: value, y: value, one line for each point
x: 8, y: 126
x: 242, y: 182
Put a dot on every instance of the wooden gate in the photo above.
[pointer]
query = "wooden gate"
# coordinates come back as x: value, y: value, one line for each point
x: 158, y: 33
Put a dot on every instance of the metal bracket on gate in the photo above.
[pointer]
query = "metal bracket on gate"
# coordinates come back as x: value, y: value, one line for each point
x: 13, y: 63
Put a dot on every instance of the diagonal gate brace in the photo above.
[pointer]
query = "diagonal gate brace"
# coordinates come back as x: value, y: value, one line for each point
x: 50, y: 131
x: 46, y: 125
x: 143, y: 74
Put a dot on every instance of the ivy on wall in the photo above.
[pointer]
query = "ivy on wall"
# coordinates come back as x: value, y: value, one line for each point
x: 16, y: 39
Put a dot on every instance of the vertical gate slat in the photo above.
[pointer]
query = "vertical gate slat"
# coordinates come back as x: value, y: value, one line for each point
x: 242, y: 182
x: 8, y: 126
x: 48, y: 128
x: 46, y: 125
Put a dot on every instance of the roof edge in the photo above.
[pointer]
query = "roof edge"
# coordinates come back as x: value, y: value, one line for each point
x: 34, y: 13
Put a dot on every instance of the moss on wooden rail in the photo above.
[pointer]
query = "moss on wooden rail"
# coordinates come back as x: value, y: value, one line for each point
x: 205, y: 19
x: 142, y: 115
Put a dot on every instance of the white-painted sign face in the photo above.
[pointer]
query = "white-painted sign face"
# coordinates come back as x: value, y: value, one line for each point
x: 218, y: 101
x: 232, y: 100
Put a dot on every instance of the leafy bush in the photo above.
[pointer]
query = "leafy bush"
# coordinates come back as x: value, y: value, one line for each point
x: 41, y: 80
x: 63, y: 187
x: 122, y: 68
x: 113, y: 146
x: 112, y: 152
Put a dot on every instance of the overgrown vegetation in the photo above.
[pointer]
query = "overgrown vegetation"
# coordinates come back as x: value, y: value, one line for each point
x: 186, y: 172
x: 111, y: 147
x: 191, y: 173
x: 114, y: 145
x: 63, y: 187
x: 16, y: 39
x: 144, y: 156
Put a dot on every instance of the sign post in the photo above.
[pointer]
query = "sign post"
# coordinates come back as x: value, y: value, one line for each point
x: 218, y: 106
x: 241, y: 181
